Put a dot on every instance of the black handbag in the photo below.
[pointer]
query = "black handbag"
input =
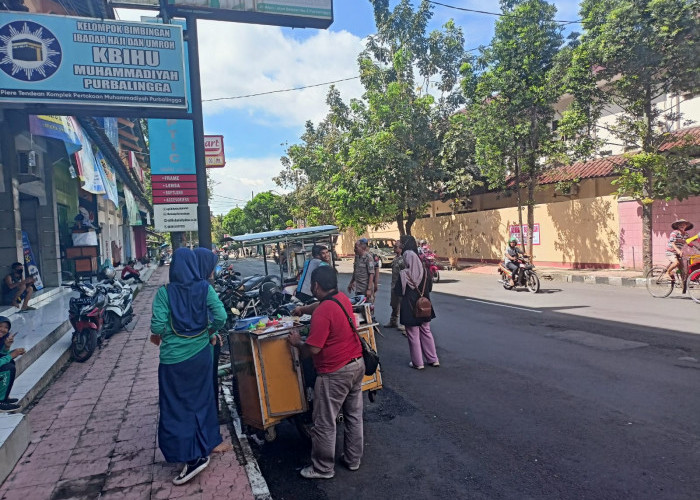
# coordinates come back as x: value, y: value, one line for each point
x: 369, y: 355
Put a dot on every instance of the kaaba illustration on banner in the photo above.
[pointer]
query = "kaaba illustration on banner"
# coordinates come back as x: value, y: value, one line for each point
x: 27, y: 50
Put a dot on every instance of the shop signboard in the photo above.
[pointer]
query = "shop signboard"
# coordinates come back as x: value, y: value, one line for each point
x: 522, y: 235
x: 173, y: 175
x: 293, y: 13
x: 214, y: 151
x: 85, y: 61
x: 30, y: 263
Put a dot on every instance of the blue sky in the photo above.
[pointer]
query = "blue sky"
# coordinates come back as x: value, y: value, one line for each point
x: 239, y: 59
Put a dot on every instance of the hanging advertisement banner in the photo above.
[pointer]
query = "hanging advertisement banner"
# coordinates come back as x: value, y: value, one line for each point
x: 515, y: 231
x: 132, y: 208
x: 89, y: 171
x: 85, y: 61
x: 56, y: 127
x: 214, y: 151
x: 293, y: 13
x: 30, y: 263
x: 110, y: 179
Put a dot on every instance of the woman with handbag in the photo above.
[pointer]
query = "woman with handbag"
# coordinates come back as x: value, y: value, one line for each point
x: 416, y: 310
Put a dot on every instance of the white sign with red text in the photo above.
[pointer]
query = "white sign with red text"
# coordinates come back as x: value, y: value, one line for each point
x: 214, y: 151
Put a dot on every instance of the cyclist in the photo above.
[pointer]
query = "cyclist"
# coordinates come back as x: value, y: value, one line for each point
x: 675, y: 246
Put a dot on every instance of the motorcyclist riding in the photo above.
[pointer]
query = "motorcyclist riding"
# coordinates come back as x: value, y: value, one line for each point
x: 511, y: 257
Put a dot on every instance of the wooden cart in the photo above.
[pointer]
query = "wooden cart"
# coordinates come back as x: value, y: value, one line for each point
x: 269, y: 376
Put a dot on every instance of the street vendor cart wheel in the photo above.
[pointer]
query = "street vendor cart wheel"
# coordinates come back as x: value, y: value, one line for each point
x: 270, y: 434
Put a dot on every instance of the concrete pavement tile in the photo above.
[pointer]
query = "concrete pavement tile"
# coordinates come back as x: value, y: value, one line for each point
x: 145, y: 432
x: 103, y: 425
x: 128, y: 477
x: 81, y: 470
x: 69, y: 421
x: 79, y: 403
x: 104, y: 438
x: 107, y: 415
x: 109, y: 406
x: 131, y: 460
x: 61, y: 439
x: 88, y: 453
x: 39, y: 460
x: 83, y: 489
x: 34, y: 476
x: 138, y: 492
x: 28, y: 493
x: 133, y: 446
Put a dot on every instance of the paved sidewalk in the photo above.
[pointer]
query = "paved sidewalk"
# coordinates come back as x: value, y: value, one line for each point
x: 94, y: 431
x: 619, y: 277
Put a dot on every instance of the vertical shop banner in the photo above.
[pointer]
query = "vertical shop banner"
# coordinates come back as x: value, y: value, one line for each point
x: 173, y: 175
x: 521, y: 235
x: 132, y: 208
x: 110, y: 179
x: 98, y: 62
x: 30, y: 264
x: 56, y: 127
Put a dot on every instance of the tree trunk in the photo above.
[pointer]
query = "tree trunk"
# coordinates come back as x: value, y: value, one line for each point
x: 400, y: 223
x: 532, y: 182
x: 410, y: 219
x: 648, y: 190
x: 520, y: 204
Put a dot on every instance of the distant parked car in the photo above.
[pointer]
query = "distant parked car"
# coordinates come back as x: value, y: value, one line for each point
x: 383, y: 248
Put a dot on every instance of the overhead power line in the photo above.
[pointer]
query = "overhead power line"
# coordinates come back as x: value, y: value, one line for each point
x: 281, y: 90
x: 499, y: 14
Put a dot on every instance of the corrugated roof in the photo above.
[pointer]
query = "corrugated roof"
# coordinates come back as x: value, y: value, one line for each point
x: 605, y: 167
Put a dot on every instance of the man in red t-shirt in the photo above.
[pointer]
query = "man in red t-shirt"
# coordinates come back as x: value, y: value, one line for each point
x: 337, y: 355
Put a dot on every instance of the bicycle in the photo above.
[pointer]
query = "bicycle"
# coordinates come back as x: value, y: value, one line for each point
x: 659, y: 285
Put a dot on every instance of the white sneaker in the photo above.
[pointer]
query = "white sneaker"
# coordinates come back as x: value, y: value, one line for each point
x: 421, y: 367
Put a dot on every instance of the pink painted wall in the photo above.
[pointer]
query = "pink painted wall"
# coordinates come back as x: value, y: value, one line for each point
x: 664, y: 213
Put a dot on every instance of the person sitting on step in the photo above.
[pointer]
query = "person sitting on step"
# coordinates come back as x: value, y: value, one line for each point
x: 7, y: 366
x: 16, y: 290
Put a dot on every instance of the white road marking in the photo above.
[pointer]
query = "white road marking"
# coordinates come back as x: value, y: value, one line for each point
x: 503, y: 305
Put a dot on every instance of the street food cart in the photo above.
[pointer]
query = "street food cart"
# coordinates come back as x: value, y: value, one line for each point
x: 269, y: 374
x: 294, y: 241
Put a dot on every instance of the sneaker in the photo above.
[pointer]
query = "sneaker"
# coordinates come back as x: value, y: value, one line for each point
x: 410, y: 363
x: 9, y: 407
x: 11, y: 400
x: 191, y: 470
x: 310, y: 473
x: 350, y: 467
x: 436, y: 364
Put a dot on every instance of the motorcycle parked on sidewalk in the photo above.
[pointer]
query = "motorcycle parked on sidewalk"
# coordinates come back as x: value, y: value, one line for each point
x: 86, y: 315
x: 525, y: 276
x: 119, y: 311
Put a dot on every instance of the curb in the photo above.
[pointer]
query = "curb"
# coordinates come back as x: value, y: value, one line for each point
x: 595, y: 280
x: 257, y: 482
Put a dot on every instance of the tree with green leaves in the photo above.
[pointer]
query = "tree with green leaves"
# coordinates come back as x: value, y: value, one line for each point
x: 235, y: 222
x: 632, y: 55
x: 378, y: 159
x: 266, y: 212
x: 512, y: 99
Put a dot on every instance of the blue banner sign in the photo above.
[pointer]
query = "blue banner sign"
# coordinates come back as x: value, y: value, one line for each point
x: 171, y: 145
x: 70, y: 60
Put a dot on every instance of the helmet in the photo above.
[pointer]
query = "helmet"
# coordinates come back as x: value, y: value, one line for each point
x: 513, y: 239
x: 109, y: 273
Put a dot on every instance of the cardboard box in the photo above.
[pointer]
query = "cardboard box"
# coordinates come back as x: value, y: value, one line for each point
x: 86, y: 265
x: 77, y: 252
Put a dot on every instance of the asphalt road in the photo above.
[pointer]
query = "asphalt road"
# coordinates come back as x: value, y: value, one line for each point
x: 582, y: 391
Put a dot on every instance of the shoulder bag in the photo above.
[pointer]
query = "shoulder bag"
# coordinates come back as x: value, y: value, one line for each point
x: 369, y: 355
x: 423, y: 307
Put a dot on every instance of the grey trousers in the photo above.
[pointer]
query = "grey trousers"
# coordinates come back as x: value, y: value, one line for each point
x: 333, y: 391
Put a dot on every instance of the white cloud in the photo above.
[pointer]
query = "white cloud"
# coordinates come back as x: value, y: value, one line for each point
x: 240, y: 179
x: 241, y: 59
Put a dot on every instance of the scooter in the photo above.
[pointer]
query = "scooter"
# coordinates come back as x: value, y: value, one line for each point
x: 431, y: 264
x: 119, y: 311
x: 86, y: 315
